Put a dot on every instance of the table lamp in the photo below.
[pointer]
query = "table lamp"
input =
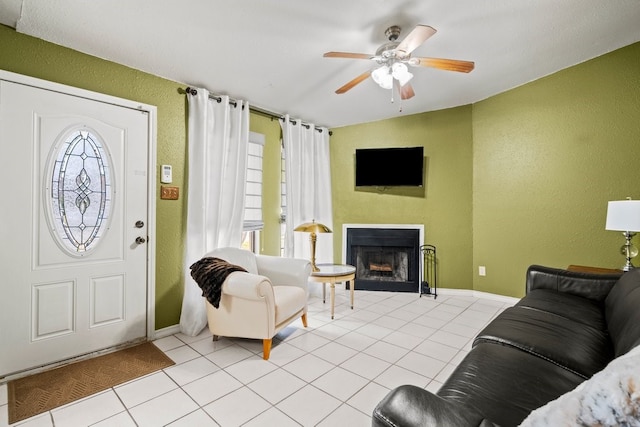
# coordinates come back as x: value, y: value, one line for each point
x: 313, y: 227
x: 624, y: 215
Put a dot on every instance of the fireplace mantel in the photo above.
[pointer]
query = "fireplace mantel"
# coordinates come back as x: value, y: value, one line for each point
x: 345, y: 227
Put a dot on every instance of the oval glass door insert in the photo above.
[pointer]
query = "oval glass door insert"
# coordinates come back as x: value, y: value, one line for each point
x: 80, y: 191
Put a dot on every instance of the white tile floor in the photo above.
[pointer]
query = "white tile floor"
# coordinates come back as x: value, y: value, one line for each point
x: 332, y: 373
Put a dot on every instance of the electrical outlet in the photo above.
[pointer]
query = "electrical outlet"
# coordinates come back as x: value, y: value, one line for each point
x: 482, y: 270
x: 169, y: 193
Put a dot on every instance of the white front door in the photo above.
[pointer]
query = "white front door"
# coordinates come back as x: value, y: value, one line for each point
x: 74, y: 221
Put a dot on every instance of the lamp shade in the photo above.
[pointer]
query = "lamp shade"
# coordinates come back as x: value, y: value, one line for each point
x: 623, y: 215
x: 313, y: 227
x: 401, y: 73
x: 383, y: 77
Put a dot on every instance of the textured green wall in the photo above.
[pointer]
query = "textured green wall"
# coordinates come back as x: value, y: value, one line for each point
x: 537, y: 164
x: 34, y: 57
x: 443, y: 205
x: 547, y: 157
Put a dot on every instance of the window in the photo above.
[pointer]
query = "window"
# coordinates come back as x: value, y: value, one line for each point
x: 253, y: 194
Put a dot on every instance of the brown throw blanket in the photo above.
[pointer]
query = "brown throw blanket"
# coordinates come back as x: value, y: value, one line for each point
x: 210, y: 273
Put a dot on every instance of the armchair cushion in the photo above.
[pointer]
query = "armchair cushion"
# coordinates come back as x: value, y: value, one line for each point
x: 289, y: 299
x: 284, y: 271
x: 243, y: 258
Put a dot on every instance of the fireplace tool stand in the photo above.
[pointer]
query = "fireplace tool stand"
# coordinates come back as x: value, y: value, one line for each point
x: 429, y: 284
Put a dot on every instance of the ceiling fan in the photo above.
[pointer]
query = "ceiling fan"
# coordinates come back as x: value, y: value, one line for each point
x: 393, y: 57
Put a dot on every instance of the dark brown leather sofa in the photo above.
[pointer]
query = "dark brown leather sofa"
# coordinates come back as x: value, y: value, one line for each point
x: 569, y: 326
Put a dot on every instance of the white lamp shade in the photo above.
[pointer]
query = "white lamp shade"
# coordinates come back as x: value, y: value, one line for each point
x: 383, y: 77
x: 398, y: 69
x: 623, y: 215
x: 404, y: 78
x: 401, y: 73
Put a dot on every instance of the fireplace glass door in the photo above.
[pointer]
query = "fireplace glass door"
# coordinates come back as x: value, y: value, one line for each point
x: 385, y: 259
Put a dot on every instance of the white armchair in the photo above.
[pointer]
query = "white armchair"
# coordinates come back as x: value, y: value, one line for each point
x: 259, y: 303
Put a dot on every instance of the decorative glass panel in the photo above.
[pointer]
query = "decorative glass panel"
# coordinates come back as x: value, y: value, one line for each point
x: 80, y: 191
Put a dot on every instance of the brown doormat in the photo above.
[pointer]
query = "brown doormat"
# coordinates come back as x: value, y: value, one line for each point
x: 42, y: 392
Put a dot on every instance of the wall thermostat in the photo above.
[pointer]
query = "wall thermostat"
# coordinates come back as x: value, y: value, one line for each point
x: 165, y: 175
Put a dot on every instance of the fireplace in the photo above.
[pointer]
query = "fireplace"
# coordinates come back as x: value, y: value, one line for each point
x: 387, y: 258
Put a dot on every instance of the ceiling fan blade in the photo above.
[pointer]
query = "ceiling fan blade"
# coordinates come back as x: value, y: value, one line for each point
x: 406, y: 91
x: 347, y: 55
x: 354, y: 82
x: 414, y: 39
x: 444, y: 64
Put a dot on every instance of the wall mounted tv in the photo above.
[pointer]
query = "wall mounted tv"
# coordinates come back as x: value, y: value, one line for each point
x: 389, y: 167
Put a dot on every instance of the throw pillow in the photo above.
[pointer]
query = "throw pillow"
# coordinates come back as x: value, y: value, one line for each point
x: 610, y: 398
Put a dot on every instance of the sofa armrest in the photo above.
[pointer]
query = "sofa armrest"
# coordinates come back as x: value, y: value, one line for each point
x: 284, y: 271
x: 409, y: 405
x: 248, y: 286
x: 595, y: 286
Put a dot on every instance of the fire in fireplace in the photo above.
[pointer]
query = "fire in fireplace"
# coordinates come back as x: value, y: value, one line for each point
x: 386, y: 259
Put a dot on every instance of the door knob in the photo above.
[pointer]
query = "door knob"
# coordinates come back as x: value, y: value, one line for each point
x: 140, y: 240
x: 139, y: 224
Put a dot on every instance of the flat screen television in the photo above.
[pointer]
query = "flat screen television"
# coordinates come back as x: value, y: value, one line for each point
x: 389, y: 167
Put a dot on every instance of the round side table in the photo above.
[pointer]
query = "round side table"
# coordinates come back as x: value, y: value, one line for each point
x: 332, y: 274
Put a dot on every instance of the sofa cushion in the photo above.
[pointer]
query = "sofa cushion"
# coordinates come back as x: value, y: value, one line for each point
x: 594, y: 286
x: 548, y: 336
x: 622, y: 311
x: 505, y: 384
x: 409, y: 405
x: 583, y: 310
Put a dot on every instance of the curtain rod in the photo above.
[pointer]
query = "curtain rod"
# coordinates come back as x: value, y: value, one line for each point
x: 262, y: 111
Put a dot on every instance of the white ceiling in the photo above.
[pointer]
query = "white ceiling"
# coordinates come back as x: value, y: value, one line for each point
x: 269, y: 52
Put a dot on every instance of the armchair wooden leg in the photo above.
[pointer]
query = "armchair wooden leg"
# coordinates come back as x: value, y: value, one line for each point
x: 304, y: 320
x: 215, y: 338
x: 266, y: 348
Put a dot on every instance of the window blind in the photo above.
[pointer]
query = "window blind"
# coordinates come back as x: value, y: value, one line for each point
x: 253, y: 193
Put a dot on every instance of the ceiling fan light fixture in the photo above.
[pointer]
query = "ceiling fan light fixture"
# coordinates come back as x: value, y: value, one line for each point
x: 398, y: 68
x: 392, y: 59
x: 400, y: 72
x: 405, y: 78
x: 382, y: 76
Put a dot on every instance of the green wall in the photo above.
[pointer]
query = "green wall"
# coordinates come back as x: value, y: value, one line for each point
x: 443, y: 205
x: 547, y: 156
x: 520, y: 178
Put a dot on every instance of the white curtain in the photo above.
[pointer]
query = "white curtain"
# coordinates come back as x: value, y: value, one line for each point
x: 217, y: 165
x: 308, y: 185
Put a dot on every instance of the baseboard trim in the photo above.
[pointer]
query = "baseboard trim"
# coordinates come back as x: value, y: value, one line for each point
x: 165, y: 332
x: 478, y: 294
x: 174, y: 329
